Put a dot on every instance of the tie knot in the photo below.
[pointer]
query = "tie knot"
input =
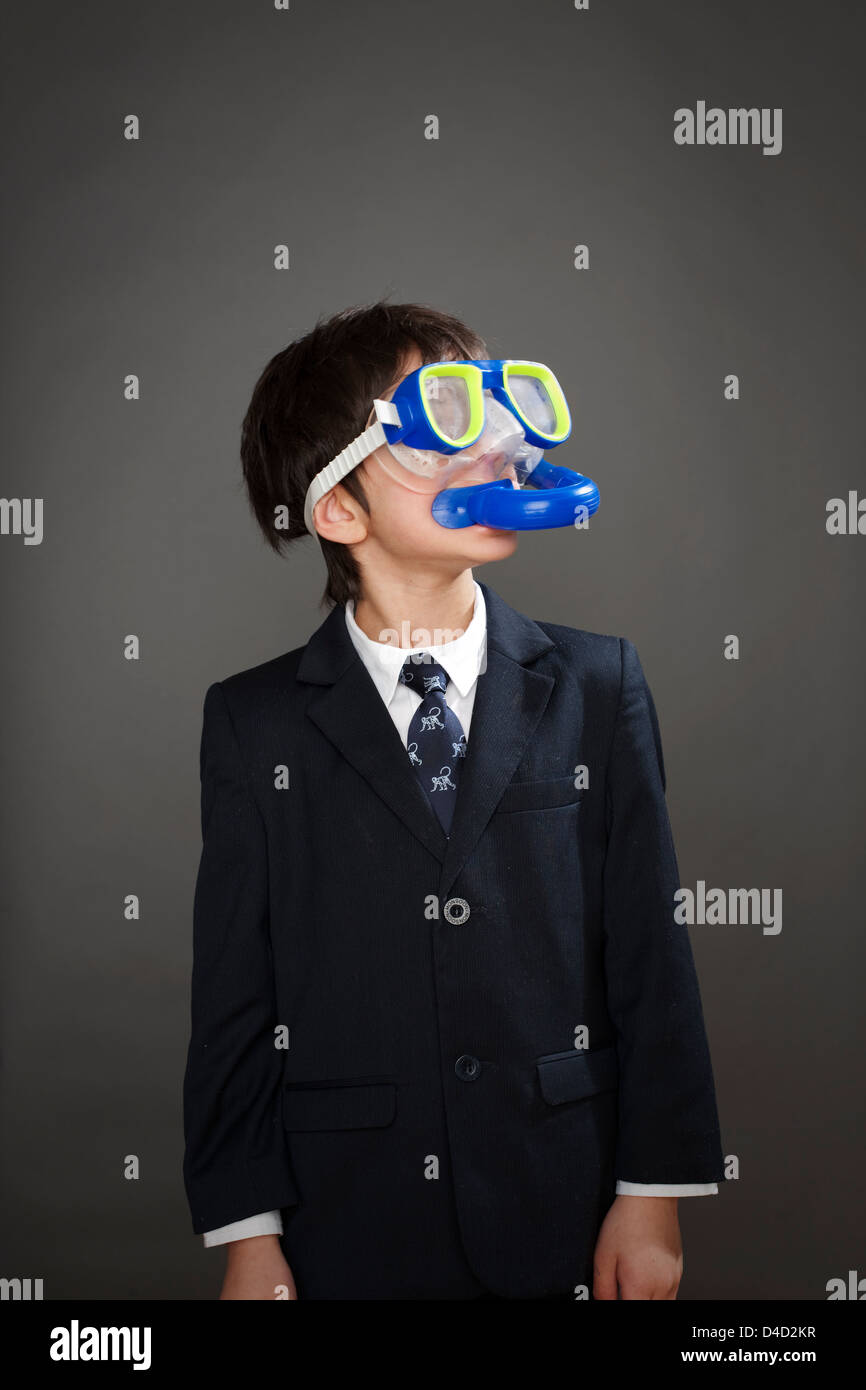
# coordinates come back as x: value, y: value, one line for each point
x: 421, y: 673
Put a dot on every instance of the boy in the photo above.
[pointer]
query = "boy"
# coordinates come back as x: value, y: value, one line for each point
x: 447, y: 1038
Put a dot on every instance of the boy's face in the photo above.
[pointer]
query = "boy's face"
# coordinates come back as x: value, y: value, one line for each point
x: 400, y: 528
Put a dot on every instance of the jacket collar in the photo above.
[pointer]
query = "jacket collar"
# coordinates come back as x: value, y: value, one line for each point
x: 462, y: 657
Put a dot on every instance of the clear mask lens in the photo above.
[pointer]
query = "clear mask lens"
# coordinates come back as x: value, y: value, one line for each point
x: 533, y: 399
x: 447, y: 401
x: 501, y: 451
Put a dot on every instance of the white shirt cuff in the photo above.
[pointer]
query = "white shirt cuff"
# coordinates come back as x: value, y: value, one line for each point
x: 670, y: 1189
x: 266, y: 1223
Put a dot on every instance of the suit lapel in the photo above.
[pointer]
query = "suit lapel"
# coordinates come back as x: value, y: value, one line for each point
x: 351, y: 713
x: 509, y: 702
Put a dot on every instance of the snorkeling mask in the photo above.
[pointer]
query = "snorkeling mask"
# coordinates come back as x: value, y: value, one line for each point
x: 486, y: 421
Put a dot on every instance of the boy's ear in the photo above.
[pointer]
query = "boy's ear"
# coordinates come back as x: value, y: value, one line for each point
x: 338, y: 517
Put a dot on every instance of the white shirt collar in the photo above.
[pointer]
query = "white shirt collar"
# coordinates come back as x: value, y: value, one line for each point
x: 462, y: 657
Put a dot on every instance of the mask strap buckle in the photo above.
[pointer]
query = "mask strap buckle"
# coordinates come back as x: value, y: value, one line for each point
x: 386, y: 412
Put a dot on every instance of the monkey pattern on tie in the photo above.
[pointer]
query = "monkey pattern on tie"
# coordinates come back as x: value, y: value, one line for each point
x: 436, y: 743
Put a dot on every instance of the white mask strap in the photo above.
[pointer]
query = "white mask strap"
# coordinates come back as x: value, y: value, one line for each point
x: 360, y: 448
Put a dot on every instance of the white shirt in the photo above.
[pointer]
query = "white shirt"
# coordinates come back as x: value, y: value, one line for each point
x: 463, y: 659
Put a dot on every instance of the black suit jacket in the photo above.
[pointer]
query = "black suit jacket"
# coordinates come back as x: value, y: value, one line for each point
x: 431, y: 1130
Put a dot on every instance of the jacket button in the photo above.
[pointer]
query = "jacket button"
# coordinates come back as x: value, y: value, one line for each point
x: 468, y: 1068
x: 456, y: 911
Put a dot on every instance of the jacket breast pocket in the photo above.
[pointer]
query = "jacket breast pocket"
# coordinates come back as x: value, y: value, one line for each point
x: 575, y: 1075
x: 338, y: 1105
x: 551, y: 793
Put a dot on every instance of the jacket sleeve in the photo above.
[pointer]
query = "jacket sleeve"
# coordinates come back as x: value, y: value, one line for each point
x: 235, y: 1162
x: 668, y: 1123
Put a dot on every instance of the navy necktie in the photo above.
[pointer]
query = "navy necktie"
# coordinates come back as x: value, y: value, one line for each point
x: 436, y: 741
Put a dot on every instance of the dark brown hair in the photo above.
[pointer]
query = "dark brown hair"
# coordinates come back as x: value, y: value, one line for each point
x: 314, y: 397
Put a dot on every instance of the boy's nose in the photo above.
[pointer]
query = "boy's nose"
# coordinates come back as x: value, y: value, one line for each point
x: 485, y: 468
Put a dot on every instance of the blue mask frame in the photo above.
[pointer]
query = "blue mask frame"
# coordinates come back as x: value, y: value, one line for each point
x: 416, y: 427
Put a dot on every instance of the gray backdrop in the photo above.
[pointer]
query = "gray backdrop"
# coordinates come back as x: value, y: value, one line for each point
x: 155, y: 257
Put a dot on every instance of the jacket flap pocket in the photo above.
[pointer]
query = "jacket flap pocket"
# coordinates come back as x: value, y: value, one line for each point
x: 540, y: 796
x: 338, y: 1107
x: 576, y: 1075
